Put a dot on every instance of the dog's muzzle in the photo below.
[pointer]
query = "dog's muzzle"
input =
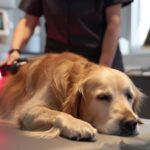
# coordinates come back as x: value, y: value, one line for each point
x: 128, y: 127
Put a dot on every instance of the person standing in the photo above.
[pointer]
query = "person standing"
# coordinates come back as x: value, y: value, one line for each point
x: 89, y: 28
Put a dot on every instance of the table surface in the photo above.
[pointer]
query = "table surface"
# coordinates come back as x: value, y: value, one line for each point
x: 13, y: 139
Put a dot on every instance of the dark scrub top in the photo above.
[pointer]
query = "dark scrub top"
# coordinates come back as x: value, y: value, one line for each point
x: 75, y: 25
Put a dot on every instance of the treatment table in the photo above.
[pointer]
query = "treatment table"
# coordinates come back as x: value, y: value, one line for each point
x: 13, y: 139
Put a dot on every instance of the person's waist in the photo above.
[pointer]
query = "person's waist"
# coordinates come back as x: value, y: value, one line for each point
x: 59, y: 46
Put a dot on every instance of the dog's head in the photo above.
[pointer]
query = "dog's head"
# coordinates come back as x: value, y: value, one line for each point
x: 110, y: 101
x: 102, y: 96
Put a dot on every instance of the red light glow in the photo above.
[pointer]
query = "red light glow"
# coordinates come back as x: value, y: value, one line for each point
x: 0, y: 75
x: 2, y: 80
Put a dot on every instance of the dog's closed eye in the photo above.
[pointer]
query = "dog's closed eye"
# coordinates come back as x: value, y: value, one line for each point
x: 128, y: 95
x: 104, y: 97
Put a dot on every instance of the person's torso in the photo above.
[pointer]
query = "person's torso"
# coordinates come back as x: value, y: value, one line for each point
x: 78, y: 23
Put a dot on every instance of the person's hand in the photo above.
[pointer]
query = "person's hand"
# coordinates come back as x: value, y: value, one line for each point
x: 10, y: 58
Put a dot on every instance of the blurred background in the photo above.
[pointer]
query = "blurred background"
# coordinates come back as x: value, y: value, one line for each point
x: 11, y: 15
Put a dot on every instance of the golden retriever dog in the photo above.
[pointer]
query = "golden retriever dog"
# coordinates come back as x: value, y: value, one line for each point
x: 65, y: 94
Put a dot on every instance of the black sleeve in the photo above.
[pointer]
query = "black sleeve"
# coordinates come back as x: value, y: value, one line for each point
x: 32, y: 7
x: 114, y: 2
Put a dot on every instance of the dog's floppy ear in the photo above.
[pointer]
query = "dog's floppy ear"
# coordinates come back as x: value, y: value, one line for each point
x: 78, y: 76
x: 137, y: 102
x: 67, y: 84
x: 75, y: 93
x: 72, y: 102
x: 138, y: 99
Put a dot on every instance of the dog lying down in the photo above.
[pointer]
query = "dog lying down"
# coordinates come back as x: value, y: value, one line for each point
x: 65, y: 94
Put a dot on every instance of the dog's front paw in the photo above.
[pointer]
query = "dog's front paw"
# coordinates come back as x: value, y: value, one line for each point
x: 74, y: 128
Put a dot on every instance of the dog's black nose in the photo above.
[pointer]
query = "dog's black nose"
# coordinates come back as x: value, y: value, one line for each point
x: 128, y: 126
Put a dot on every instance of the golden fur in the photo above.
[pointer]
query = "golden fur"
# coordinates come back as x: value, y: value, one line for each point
x: 65, y: 94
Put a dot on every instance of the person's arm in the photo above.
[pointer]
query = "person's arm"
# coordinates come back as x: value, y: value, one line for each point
x: 21, y: 35
x: 24, y: 31
x: 111, y: 36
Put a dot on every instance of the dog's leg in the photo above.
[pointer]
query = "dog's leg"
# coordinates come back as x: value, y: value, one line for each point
x: 37, y: 118
x: 42, y: 118
x: 74, y: 128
